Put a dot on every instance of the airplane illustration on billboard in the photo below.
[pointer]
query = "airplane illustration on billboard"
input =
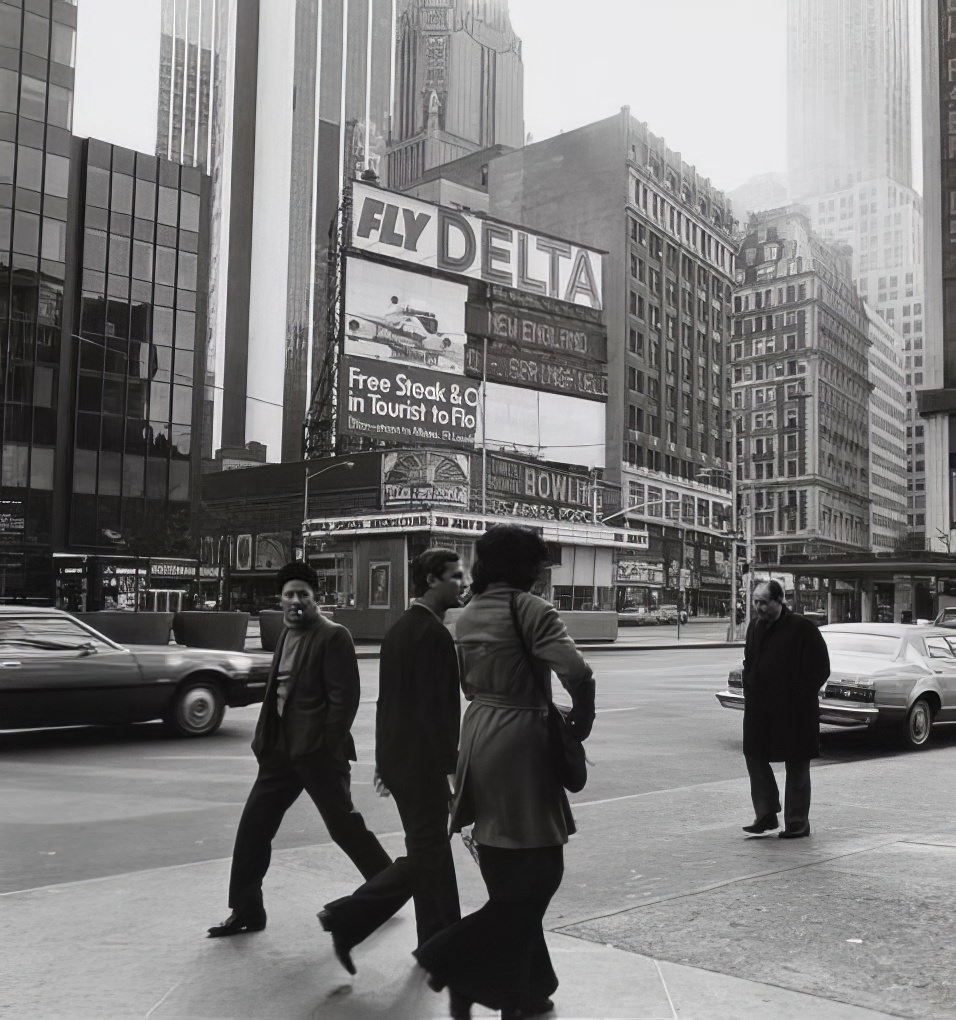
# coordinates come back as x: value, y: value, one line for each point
x: 410, y: 334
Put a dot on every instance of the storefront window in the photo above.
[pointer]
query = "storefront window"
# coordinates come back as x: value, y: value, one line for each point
x: 582, y: 597
x: 336, y: 574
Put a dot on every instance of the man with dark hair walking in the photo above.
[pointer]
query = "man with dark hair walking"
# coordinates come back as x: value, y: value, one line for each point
x: 302, y: 742
x: 785, y: 665
x: 416, y: 750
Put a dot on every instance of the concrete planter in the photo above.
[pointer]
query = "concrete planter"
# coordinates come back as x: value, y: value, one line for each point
x: 130, y: 628
x: 270, y: 627
x: 198, y: 629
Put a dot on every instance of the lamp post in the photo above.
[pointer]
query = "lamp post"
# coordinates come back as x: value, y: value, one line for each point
x: 305, y: 495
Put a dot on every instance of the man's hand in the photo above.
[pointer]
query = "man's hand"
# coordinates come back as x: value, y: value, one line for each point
x: 380, y: 788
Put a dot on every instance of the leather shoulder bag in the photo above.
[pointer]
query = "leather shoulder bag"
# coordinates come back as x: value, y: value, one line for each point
x: 567, y: 752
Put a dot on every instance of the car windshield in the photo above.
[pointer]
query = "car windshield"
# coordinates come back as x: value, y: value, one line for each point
x: 884, y: 646
x: 47, y: 633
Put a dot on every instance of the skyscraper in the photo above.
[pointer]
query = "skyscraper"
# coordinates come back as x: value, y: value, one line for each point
x: 459, y: 83
x: 848, y: 93
x: 850, y: 152
x: 295, y: 92
x: 36, y: 116
x: 937, y: 404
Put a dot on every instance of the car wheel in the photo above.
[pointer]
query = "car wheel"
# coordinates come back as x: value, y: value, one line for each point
x: 916, y: 726
x: 197, y: 709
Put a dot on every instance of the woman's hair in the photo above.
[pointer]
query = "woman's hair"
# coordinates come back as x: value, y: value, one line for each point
x: 510, y: 554
x: 431, y: 561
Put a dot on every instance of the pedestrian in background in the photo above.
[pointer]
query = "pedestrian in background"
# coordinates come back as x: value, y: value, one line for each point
x: 303, y: 741
x: 506, y: 784
x: 416, y: 749
x: 785, y: 665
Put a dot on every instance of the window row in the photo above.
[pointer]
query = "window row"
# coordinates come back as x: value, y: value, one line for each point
x: 35, y: 99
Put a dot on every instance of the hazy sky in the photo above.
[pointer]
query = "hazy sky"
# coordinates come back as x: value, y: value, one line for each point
x: 709, y: 76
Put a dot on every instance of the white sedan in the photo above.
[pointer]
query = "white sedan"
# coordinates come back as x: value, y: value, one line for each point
x: 885, y: 674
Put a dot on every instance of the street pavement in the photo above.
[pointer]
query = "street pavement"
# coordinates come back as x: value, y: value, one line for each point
x: 667, y: 910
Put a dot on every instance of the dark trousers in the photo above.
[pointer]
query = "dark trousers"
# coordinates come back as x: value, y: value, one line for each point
x: 275, y: 790
x: 427, y: 872
x: 766, y: 795
x: 498, y: 955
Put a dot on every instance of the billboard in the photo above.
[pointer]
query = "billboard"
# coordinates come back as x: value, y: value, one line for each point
x: 453, y: 241
x: 403, y: 402
x: 548, y: 331
x: 425, y: 476
x: 402, y: 317
x: 549, y: 426
x: 540, y: 371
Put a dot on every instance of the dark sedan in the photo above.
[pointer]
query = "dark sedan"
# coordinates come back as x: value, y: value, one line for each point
x: 57, y: 671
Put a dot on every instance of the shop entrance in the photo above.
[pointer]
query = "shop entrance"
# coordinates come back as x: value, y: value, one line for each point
x: 164, y: 600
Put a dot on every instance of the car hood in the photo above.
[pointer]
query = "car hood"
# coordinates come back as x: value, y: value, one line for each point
x: 179, y: 655
x: 854, y: 664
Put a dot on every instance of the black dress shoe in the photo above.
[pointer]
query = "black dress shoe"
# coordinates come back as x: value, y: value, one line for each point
x: 762, y: 824
x: 795, y: 833
x: 236, y: 924
x: 343, y: 952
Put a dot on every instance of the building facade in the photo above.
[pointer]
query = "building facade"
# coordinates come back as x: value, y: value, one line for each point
x: 937, y: 403
x: 36, y: 101
x: 669, y: 267
x: 459, y: 82
x: 850, y: 154
x: 801, y: 407
x: 848, y: 94
x: 890, y: 447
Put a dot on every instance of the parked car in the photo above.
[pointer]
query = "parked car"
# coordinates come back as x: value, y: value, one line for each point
x: 635, y: 617
x: 57, y: 671
x: 671, y: 614
x: 882, y: 674
x: 946, y: 618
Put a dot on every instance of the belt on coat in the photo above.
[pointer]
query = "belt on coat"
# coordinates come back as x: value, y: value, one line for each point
x: 503, y: 701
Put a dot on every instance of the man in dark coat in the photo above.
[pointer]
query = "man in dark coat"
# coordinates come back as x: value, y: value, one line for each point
x: 785, y: 665
x: 303, y: 741
x: 416, y: 750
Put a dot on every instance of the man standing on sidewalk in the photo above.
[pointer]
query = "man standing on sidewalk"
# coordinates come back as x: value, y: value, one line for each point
x: 785, y: 665
x: 416, y: 750
x: 303, y: 741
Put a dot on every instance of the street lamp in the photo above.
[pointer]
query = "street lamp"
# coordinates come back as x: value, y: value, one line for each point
x: 315, y: 474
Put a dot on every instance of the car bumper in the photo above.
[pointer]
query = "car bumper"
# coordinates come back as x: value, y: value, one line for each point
x: 832, y: 715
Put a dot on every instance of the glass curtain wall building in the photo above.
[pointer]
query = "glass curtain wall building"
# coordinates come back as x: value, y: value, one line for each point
x: 141, y: 270
x: 37, y: 45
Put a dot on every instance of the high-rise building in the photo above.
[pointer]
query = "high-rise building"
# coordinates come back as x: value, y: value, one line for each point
x: 667, y: 297
x: 850, y: 154
x: 102, y: 299
x: 800, y: 391
x: 937, y: 402
x: 459, y: 83
x: 36, y: 104
x: 890, y: 449
x: 848, y: 94
x: 293, y: 100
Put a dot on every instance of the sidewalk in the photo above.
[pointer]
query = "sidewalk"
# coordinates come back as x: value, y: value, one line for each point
x: 133, y: 946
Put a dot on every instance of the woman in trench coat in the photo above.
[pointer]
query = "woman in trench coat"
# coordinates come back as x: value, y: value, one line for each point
x: 505, y: 783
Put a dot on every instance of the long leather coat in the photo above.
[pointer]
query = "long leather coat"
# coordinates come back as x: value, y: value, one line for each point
x: 785, y: 665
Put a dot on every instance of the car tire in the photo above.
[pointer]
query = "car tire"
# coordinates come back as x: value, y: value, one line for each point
x: 197, y: 708
x: 917, y: 724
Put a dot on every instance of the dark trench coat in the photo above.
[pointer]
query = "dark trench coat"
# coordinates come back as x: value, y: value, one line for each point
x: 785, y: 665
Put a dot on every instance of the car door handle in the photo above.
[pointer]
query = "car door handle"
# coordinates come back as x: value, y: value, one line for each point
x: 10, y: 664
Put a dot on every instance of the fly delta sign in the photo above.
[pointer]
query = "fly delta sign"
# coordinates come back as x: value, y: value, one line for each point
x: 434, y: 237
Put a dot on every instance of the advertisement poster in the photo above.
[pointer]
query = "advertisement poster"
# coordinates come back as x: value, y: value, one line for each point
x: 546, y: 371
x: 244, y: 552
x: 379, y: 574
x: 405, y: 318
x: 435, y: 237
x: 389, y: 401
x: 412, y: 478
x: 273, y: 550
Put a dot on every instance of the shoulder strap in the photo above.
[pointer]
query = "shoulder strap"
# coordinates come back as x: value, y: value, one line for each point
x: 524, y: 646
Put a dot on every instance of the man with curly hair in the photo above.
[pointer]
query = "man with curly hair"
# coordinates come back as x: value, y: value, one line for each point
x: 303, y: 741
